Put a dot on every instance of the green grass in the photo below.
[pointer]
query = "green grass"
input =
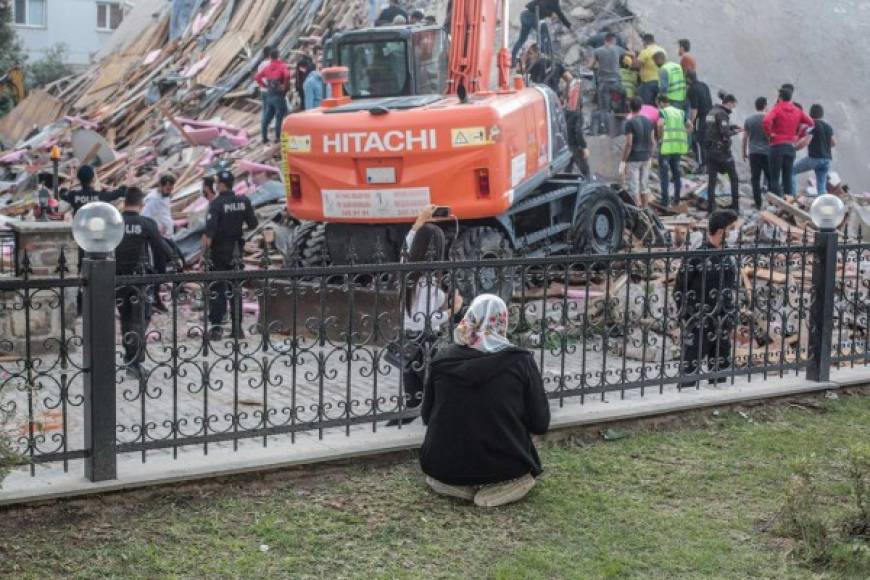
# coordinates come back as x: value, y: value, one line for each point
x: 682, y: 503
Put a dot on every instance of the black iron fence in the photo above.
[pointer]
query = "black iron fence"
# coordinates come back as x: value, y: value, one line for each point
x: 304, y: 350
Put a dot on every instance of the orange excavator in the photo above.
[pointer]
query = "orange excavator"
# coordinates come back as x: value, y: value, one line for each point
x: 416, y: 119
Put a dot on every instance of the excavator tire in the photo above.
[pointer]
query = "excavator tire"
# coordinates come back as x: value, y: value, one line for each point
x: 482, y: 243
x: 599, y: 224
x: 307, y: 246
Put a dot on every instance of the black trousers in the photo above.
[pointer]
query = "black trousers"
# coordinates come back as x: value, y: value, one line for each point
x: 716, y: 167
x: 759, y: 165
x: 781, y: 169
x: 134, y: 308
x: 705, y: 344
x: 698, y: 139
x: 221, y: 294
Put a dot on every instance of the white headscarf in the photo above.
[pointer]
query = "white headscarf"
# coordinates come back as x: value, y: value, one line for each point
x: 484, y: 326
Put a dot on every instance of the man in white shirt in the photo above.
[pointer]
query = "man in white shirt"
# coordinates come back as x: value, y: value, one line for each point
x: 157, y: 208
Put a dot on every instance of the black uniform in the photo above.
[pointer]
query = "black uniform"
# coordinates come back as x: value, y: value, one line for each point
x: 706, y: 294
x: 133, y: 301
x: 227, y: 215
x: 720, y: 158
x: 78, y: 198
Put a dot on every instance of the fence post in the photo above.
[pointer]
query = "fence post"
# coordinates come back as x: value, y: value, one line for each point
x: 98, y: 325
x: 822, y: 313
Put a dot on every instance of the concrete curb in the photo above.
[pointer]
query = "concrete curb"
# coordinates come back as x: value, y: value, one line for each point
x: 411, y: 437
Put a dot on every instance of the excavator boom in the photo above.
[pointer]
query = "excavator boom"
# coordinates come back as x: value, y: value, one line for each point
x: 473, y: 30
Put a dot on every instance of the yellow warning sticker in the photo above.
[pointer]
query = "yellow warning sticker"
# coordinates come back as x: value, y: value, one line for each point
x: 298, y: 143
x: 469, y: 137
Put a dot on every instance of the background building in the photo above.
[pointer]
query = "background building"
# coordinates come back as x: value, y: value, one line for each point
x: 82, y: 26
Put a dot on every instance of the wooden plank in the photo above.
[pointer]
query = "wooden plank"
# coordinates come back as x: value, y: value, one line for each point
x: 37, y: 109
x: 800, y: 215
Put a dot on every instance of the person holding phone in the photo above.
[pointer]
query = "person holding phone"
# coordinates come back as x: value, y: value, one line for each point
x: 425, y: 306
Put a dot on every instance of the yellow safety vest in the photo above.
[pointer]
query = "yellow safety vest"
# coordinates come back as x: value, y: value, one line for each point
x: 675, y: 140
x: 629, y: 82
x: 676, y: 82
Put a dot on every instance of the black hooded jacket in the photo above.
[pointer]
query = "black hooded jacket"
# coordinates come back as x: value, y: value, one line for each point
x: 481, y: 410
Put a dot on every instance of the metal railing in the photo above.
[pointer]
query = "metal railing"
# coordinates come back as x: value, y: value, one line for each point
x: 317, y: 341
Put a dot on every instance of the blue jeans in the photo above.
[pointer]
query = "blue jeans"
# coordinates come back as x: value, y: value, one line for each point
x: 274, y: 107
x: 820, y: 165
x: 670, y: 164
x: 528, y: 22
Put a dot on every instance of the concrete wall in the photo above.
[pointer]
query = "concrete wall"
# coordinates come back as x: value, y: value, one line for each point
x: 72, y: 22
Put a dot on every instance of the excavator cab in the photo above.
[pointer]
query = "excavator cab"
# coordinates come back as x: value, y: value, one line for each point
x: 392, y: 61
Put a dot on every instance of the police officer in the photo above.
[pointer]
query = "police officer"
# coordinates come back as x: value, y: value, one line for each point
x: 132, y: 258
x: 86, y: 193
x: 227, y: 215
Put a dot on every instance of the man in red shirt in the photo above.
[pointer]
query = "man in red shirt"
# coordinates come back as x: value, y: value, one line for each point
x: 274, y: 80
x: 783, y: 126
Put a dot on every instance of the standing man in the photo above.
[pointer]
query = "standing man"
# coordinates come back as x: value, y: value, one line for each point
x: 605, y: 60
x: 304, y: 66
x: 706, y: 296
x: 574, y: 120
x: 673, y: 131
x: 649, y: 70
x: 86, y: 193
x: 227, y: 216
x: 628, y: 78
x: 720, y: 158
x: 529, y: 21
x: 700, y: 101
x: 783, y: 125
x: 672, y: 82
x: 132, y: 258
x: 687, y: 60
x: 819, y: 155
x: 275, y: 80
x: 314, y: 89
x: 417, y: 17
x: 157, y: 208
x: 640, y: 142
x: 756, y: 149
x: 389, y: 14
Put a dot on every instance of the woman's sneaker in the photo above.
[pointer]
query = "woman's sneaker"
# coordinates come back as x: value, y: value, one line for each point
x: 500, y: 494
x: 465, y: 492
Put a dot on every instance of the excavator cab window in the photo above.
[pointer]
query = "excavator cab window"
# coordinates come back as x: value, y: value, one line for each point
x: 378, y: 68
x: 430, y: 60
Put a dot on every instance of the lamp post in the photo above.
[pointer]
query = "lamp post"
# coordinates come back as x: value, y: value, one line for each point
x: 98, y: 228
x: 827, y: 213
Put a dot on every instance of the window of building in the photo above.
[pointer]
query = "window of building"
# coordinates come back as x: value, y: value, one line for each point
x: 109, y: 15
x: 28, y: 12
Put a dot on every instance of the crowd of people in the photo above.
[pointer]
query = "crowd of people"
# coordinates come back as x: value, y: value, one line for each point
x: 481, y: 397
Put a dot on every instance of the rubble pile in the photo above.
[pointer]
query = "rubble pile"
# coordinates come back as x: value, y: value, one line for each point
x: 173, y: 93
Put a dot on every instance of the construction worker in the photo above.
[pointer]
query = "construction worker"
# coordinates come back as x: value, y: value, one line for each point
x: 673, y: 133
x: 649, y: 70
x: 706, y: 295
x: 529, y: 21
x: 720, y: 158
x: 227, y: 216
x: 275, y: 80
x: 132, y: 258
x: 672, y: 81
x: 628, y: 77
